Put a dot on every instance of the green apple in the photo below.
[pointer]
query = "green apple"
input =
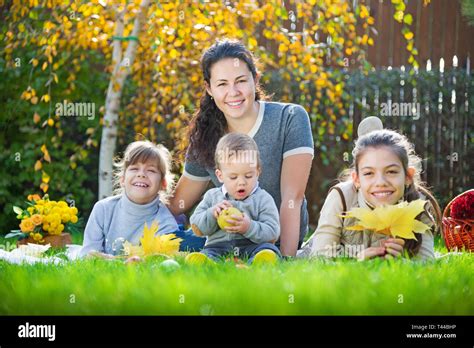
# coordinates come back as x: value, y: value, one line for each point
x: 169, y: 265
x: 227, y: 214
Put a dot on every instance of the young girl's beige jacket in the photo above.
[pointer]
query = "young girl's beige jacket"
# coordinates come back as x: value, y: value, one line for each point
x: 333, y: 239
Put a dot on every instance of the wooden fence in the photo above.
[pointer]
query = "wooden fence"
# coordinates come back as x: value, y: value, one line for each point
x: 434, y: 108
x: 440, y: 32
x: 441, y: 93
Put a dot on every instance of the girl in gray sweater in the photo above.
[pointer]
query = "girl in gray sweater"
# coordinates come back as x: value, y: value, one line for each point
x: 144, y: 182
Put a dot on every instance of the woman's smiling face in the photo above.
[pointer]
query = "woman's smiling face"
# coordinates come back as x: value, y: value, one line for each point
x: 381, y: 176
x: 232, y: 86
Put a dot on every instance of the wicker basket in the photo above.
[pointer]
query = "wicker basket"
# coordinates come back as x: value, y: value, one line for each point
x: 458, y: 234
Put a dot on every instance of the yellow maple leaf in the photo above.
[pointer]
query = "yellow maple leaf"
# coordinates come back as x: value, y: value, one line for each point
x: 150, y: 244
x: 167, y: 244
x: 148, y: 237
x: 393, y: 220
x: 132, y: 250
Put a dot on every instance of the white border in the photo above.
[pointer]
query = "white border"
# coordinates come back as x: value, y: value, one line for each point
x: 196, y: 178
x: 299, y: 151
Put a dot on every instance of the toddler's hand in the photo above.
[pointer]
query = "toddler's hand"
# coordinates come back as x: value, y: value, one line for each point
x: 240, y: 224
x: 220, y: 207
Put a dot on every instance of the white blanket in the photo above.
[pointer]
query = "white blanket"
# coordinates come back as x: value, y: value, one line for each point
x: 33, y: 253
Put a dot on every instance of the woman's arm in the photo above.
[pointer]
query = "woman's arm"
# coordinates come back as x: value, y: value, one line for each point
x: 186, y: 194
x: 294, y: 177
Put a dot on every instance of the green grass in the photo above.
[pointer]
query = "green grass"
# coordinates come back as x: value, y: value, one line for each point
x: 319, y: 287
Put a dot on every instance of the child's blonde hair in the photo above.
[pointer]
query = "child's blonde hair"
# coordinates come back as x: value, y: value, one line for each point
x: 141, y: 152
x: 237, y: 145
x: 404, y: 150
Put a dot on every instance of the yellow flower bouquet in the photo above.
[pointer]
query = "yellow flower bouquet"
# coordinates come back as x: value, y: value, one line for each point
x: 43, y: 219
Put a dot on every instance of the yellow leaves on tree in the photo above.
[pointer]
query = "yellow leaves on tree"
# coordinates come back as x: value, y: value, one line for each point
x: 45, y: 178
x: 393, y: 220
x: 45, y: 181
x: 406, y: 19
x: 307, y: 39
x: 408, y: 35
x: 176, y: 34
x: 45, y: 152
x: 150, y: 244
x: 38, y: 165
x: 364, y: 12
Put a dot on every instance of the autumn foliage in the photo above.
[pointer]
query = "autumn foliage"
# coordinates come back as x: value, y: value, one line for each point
x: 64, y: 51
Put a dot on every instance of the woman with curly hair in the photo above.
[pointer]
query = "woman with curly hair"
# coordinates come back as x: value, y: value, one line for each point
x: 233, y: 102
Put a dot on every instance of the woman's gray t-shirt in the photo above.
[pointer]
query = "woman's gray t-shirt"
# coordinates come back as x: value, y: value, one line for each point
x: 281, y: 130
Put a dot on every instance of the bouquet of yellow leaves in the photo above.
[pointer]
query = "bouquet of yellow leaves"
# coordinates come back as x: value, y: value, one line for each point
x: 150, y: 244
x: 397, y: 220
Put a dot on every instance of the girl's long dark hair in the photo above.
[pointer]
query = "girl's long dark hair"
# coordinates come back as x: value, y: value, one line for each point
x: 208, y: 124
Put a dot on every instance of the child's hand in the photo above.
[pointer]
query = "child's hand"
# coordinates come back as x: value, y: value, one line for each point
x: 394, y: 247
x: 389, y: 248
x: 240, y: 224
x: 371, y: 253
x: 220, y: 207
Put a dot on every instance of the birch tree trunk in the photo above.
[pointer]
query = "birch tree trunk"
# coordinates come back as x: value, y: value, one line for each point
x: 121, y: 69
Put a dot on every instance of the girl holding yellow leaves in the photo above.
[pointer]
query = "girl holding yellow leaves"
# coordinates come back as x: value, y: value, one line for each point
x: 385, y: 172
